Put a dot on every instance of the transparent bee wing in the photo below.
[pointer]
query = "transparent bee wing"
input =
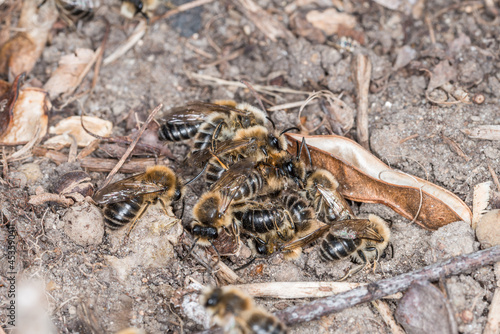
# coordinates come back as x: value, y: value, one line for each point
x: 125, y: 189
x: 355, y: 229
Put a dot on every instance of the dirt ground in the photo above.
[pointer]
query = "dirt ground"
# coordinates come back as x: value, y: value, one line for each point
x: 62, y: 265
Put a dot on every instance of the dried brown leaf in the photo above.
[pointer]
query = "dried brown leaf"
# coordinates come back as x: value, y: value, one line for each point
x: 22, y: 51
x: 424, y: 309
x: 72, y: 126
x: 441, y: 74
x: 65, y: 77
x: 365, y: 178
x: 7, y: 102
x: 330, y: 19
x: 29, y: 117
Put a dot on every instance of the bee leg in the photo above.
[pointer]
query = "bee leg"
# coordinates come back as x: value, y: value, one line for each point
x: 290, y: 220
x: 236, y: 231
x: 136, y: 219
x: 164, y: 207
x: 356, y: 269
x: 217, y: 252
x: 216, y: 134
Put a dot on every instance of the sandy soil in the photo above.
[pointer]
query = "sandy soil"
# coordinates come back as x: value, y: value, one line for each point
x: 66, y: 253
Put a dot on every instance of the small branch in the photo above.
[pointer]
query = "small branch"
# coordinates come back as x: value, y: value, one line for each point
x: 362, y: 72
x: 376, y: 290
x: 181, y: 8
x: 48, y: 197
x: 136, y: 36
x: 387, y: 316
x: 132, y: 145
x: 294, y: 290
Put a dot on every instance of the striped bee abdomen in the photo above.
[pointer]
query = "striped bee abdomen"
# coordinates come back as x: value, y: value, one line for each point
x: 118, y: 214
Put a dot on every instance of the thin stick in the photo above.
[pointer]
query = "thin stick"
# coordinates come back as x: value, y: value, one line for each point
x: 494, y: 176
x: 136, y: 36
x: 132, y: 145
x: 386, y: 314
x: 289, y: 105
x: 295, y: 290
x: 362, y: 70
x: 376, y: 290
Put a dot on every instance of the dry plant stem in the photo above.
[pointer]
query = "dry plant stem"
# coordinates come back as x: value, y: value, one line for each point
x: 494, y: 176
x: 376, y: 290
x: 295, y: 290
x: 181, y: 8
x: 98, y: 164
x: 132, y: 145
x: 136, y: 36
x: 270, y: 27
x: 48, y: 197
x: 493, y: 323
x: 83, y: 74
x: 480, y: 201
x: 387, y: 316
x: 363, y: 70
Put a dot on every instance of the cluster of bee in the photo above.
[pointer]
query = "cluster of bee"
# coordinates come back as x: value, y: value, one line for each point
x: 256, y: 189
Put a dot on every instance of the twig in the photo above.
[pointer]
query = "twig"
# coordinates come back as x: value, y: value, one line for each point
x: 376, y: 290
x: 98, y: 164
x: 181, y: 8
x: 362, y: 70
x: 270, y: 27
x: 84, y: 73
x: 136, y: 36
x: 263, y: 89
x: 289, y: 105
x: 132, y: 145
x: 455, y: 147
x: 494, y: 176
x: 48, y: 197
x: 294, y: 290
x: 386, y: 314
x: 493, y: 323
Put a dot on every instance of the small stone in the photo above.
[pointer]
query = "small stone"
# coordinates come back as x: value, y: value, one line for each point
x: 32, y: 172
x: 451, y: 240
x: 84, y: 224
x: 488, y: 229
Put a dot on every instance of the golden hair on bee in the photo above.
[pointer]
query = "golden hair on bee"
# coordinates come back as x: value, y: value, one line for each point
x: 125, y: 201
x: 236, y: 312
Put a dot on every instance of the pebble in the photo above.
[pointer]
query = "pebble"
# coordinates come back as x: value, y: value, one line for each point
x: 84, y: 224
x: 488, y: 229
x: 451, y: 240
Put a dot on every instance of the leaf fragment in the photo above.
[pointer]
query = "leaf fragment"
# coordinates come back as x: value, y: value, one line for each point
x: 365, y: 178
x: 72, y: 126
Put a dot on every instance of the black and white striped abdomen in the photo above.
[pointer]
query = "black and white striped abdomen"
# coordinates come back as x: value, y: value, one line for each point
x: 116, y: 215
x: 206, y: 133
x: 265, y: 324
x: 260, y: 220
x: 77, y: 9
x: 177, y: 131
x: 250, y: 188
x: 333, y: 248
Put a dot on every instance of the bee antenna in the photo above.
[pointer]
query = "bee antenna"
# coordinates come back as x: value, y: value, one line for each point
x: 217, y: 252
x: 254, y: 93
x: 246, y: 264
x: 289, y: 129
x: 270, y: 120
x: 299, y: 152
x: 183, y: 205
x: 190, y: 249
x: 197, y: 176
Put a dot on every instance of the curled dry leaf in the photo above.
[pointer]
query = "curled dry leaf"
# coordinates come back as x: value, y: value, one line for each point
x: 20, y: 53
x: 72, y: 126
x: 330, y: 20
x: 424, y: 309
x: 65, y: 77
x: 29, y: 117
x: 441, y: 74
x: 9, y: 96
x: 488, y: 132
x: 364, y: 178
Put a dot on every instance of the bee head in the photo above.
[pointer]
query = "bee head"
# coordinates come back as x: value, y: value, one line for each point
x: 213, y: 297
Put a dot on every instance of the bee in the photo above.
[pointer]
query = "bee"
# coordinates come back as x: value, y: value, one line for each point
x: 363, y: 240
x: 206, y: 122
x: 72, y: 11
x: 236, y: 312
x: 321, y: 189
x: 131, y: 8
x: 125, y: 201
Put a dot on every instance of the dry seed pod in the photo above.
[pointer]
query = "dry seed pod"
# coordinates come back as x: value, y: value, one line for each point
x: 74, y: 182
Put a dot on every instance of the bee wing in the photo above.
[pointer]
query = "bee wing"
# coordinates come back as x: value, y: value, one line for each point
x: 201, y: 157
x: 125, y: 189
x: 305, y: 240
x: 231, y: 181
x: 335, y: 200
x: 354, y: 229
x: 196, y: 112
